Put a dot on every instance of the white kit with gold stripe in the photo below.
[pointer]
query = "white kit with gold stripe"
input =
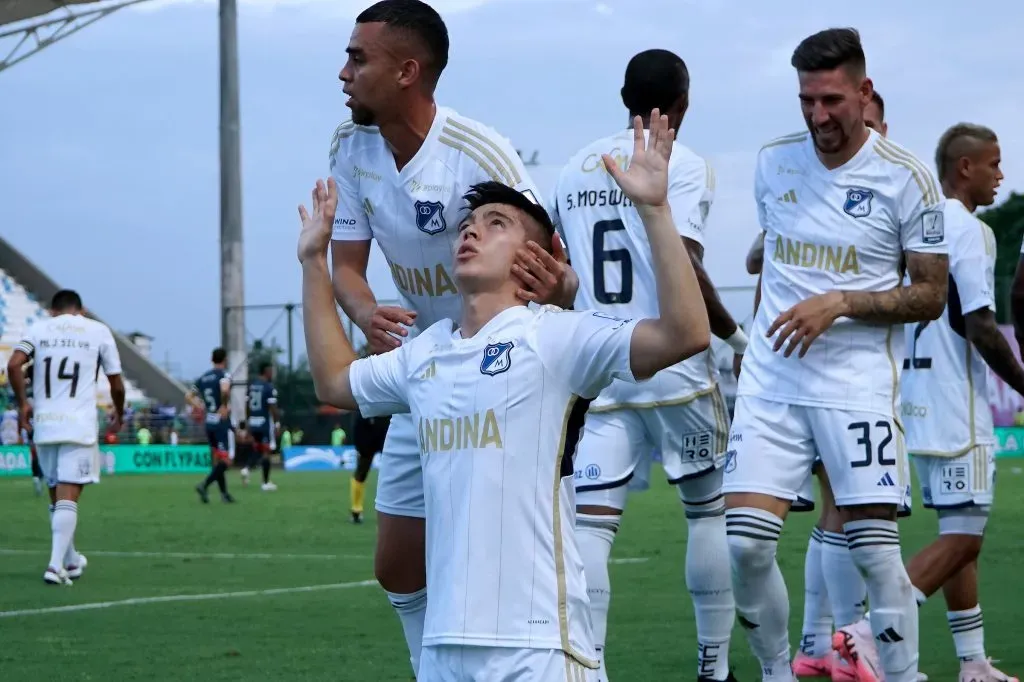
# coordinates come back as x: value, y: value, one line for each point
x: 945, y: 380
x: 498, y: 416
x: 610, y: 252
x: 414, y: 213
x: 841, y: 229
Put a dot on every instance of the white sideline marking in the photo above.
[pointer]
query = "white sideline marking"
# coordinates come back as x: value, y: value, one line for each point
x: 196, y: 555
x: 242, y: 557
x: 138, y: 601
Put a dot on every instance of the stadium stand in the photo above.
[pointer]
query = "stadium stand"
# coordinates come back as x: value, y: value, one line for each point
x: 23, y: 285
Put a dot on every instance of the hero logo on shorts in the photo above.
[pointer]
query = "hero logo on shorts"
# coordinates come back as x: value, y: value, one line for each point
x: 858, y: 202
x: 933, y: 229
x: 430, y: 216
x: 497, y: 358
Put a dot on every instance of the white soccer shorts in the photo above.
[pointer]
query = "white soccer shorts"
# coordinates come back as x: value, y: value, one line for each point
x: 773, y: 446
x: 451, y: 663
x: 957, y: 482
x: 400, y: 472
x: 691, y: 438
x: 69, y: 463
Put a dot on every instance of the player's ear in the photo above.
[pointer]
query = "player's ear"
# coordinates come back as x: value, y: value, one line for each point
x: 409, y: 73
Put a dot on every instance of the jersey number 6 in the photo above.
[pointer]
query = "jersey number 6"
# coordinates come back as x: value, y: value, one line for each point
x: 601, y: 256
x: 865, y: 440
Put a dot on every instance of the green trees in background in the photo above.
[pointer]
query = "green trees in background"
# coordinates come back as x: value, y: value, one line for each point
x: 1007, y: 221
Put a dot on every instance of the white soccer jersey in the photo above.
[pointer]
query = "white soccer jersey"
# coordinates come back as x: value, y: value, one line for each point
x: 498, y: 416
x: 828, y: 230
x: 610, y: 252
x: 68, y: 352
x: 945, y: 380
x: 414, y: 213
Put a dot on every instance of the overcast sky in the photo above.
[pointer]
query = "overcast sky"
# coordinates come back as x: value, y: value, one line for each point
x: 109, y: 152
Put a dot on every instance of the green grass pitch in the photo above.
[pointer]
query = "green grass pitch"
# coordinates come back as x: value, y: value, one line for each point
x: 148, y: 537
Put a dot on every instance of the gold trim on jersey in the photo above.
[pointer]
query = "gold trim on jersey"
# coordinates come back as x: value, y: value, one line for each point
x: 556, y: 525
x: 485, y: 145
x: 465, y: 149
x: 792, y: 138
x: 574, y: 670
x: 901, y: 157
x: 709, y: 176
x: 647, y: 405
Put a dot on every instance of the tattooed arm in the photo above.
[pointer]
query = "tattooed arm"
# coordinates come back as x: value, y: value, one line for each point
x: 924, y: 299
x: 1017, y: 301
x: 984, y: 333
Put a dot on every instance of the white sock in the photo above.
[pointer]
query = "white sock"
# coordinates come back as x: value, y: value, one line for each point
x: 411, y: 610
x: 595, y: 534
x: 968, y: 634
x: 847, y: 591
x: 63, y: 522
x: 816, y: 634
x: 762, y: 603
x: 875, y: 546
x: 919, y: 596
x: 709, y: 581
x: 71, y: 557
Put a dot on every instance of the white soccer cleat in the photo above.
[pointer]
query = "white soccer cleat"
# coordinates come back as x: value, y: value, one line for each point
x: 54, y: 576
x: 75, y: 571
x: 268, y: 487
x: 245, y: 475
x: 983, y: 671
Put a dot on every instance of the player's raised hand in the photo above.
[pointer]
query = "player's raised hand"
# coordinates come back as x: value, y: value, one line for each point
x: 806, y: 321
x: 316, y: 226
x: 645, y: 182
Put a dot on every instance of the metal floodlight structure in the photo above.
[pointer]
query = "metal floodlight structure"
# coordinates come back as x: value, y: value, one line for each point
x: 29, y: 26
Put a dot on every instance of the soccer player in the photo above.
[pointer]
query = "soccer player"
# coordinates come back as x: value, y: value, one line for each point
x: 834, y: 590
x: 680, y: 412
x: 498, y: 399
x: 368, y: 436
x: 263, y: 420
x: 944, y: 379
x: 211, y: 394
x: 67, y: 351
x: 874, y: 118
x: 842, y: 207
x: 402, y: 164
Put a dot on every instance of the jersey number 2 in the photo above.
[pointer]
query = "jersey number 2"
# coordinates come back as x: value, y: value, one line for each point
x: 601, y: 256
x: 914, y: 362
x: 62, y: 373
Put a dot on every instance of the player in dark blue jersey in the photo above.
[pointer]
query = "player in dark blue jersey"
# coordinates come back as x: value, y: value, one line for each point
x: 263, y: 421
x: 211, y: 393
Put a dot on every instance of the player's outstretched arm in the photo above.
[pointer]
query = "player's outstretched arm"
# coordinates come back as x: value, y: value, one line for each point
x: 983, y: 332
x: 16, y: 377
x: 924, y: 299
x: 681, y: 328
x: 329, y: 350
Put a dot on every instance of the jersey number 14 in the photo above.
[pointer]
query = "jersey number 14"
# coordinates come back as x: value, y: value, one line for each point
x: 62, y: 373
x: 602, y: 256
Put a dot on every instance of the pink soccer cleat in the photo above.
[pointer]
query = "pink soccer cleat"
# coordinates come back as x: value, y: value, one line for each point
x: 841, y: 670
x: 855, y: 644
x: 808, y: 666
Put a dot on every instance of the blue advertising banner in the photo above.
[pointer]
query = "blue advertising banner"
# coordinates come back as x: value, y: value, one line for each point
x: 320, y: 458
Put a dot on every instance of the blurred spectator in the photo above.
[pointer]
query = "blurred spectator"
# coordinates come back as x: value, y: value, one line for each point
x: 337, y: 436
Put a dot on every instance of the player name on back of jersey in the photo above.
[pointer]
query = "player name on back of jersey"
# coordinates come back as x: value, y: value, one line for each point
x: 596, y: 198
